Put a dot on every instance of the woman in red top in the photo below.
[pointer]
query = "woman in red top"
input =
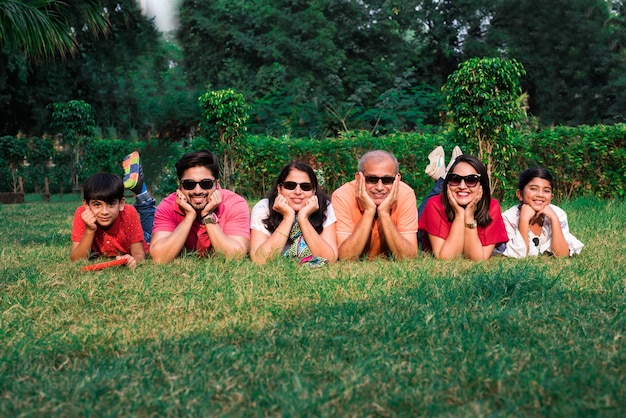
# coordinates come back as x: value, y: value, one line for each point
x: 463, y: 220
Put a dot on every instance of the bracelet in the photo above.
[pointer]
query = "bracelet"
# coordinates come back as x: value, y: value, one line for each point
x: 286, y: 236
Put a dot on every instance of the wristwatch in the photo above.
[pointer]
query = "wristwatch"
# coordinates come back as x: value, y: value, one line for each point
x: 210, y: 218
x: 471, y: 225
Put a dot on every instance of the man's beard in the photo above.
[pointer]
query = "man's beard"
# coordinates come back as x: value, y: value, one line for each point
x: 198, y: 206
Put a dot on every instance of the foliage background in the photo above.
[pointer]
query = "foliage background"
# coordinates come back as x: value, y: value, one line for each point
x: 586, y: 160
x: 314, y: 69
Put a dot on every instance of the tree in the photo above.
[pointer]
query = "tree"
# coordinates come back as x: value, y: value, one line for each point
x: 452, y: 32
x: 224, y: 116
x: 13, y: 152
x: 126, y: 77
x: 340, y: 55
x: 566, y: 50
x: 483, y: 102
x: 42, y: 28
x: 75, y: 121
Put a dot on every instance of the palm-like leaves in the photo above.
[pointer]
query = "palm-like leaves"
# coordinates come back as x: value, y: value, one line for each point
x: 41, y: 28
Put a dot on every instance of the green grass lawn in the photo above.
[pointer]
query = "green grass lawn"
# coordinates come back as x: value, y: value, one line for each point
x: 207, y: 337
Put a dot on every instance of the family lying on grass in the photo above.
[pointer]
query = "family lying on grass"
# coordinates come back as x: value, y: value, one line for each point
x: 374, y: 214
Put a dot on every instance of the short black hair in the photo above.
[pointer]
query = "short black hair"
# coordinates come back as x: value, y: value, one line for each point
x: 202, y: 158
x: 530, y: 173
x: 103, y: 186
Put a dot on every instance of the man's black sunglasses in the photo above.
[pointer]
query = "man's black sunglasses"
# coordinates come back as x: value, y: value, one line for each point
x: 374, y: 179
x: 205, y: 184
x: 470, y: 180
x: 291, y: 185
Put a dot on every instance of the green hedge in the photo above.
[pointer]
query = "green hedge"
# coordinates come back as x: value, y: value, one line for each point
x: 45, y: 159
x: 262, y: 158
x: 586, y: 160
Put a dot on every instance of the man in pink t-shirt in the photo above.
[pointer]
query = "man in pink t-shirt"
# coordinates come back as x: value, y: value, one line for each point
x: 200, y: 216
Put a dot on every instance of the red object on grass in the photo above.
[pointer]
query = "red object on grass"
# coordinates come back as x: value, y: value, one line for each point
x: 106, y: 264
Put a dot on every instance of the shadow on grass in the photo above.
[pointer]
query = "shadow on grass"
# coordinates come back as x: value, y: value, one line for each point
x: 512, y: 341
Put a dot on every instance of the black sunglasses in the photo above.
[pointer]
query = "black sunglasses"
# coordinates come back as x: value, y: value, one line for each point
x: 374, y: 179
x: 291, y: 185
x: 470, y: 180
x: 205, y: 184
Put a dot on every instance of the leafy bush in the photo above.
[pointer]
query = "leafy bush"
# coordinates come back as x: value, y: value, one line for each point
x: 586, y: 160
x: 12, y: 151
x: 261, y: 158
x: 106, y: 155
x: 224, y: 117
x: 483, y: 100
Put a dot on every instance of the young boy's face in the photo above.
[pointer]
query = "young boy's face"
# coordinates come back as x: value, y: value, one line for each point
x: 105, y: 213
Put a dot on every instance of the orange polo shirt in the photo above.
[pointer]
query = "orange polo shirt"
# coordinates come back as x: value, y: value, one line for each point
x: 349, y: 212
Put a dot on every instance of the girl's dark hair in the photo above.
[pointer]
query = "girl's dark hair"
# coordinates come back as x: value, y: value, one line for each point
x: 317, y: 219
x: 482, y: 209
x: 530, y: 173
x: 201, y: 158
x: 103, y: 186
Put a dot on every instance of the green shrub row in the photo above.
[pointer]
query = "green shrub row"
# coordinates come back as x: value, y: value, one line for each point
x: 35, y: 158
x: 586, y: 160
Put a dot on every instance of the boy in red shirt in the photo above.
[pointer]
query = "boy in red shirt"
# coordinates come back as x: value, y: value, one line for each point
x: 104, y: 225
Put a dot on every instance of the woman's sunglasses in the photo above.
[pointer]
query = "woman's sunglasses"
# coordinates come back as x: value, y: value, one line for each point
x: 291, y: 185
x: 205, y: 184
x: 470, y: 180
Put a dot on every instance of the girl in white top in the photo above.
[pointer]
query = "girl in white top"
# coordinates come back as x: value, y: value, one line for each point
x: 535, y: 226
x: 296, y: 219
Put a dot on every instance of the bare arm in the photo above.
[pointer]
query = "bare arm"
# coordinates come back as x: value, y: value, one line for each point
x: 166, y: 245
x: 473, y: 249
x: 452, y: 247
x: 350, y: 247
x: 526, y: 214
x: 401, y: 245
x: 322, y: 244
x: 80, y: 250
x: 558, y: 245
x: 137, y: 252
x: 232, y: 246
x: 263, y: 247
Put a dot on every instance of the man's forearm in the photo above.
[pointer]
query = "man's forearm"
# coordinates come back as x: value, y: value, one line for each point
x: 400, y: 246
x: 165, y: 248
x: 354, y: 245
x: 230, y: 246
